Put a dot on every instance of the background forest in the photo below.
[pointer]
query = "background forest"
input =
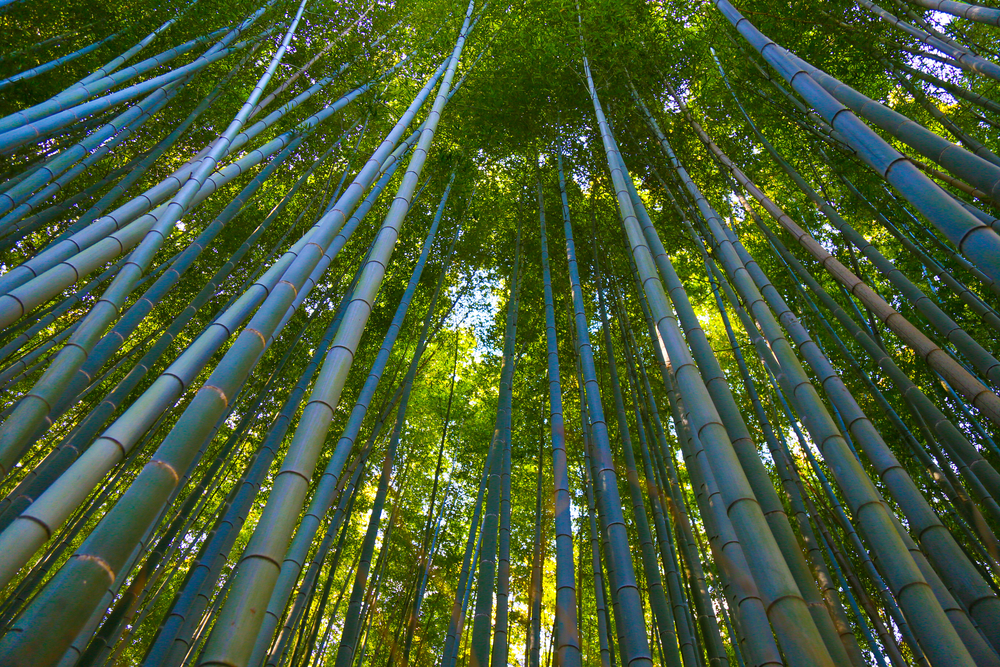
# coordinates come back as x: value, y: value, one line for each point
x: 416, y: 332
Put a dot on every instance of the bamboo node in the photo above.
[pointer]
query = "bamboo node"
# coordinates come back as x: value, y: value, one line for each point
x: 168, y: 467
x: 217, y: 391
x: 263, y: 338
x: 101, y: 563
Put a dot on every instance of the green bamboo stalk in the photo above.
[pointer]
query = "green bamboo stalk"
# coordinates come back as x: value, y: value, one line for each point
x: 738, y: 582
x: 969, y: 385
x: 67, y: 451
x: 32, y: 72
x: 324, y: 495
x: 914, y: 495
x: 32, y: 410
x: 707, y: 620
x: 500, y: 650
x: 884, y: 460
x: 839, y: 642
x: 605, y: 647
x: 566, y: 623
x: 654, y: 585
x: 791, y: 488
x: 972, y: 237
x: 596, y: 524
x: 63, y: 262
x: 192, y: 428
x: 629, y: 618
x: 449, y: 652
x: 488, y: 558
x: 353, y: 621
x: 690, y: 653
x: 767, y: 360
x: 942, y: 427
x: 945, y: 325
x: 983, y: 102
x: 133, y: 172
x: 787, y: 607
x: 255, y: 578
x: 533, y: 626
x: 971, y: 143
x: 985, y: 494
x: 964, y: 56
x: 52, y: 507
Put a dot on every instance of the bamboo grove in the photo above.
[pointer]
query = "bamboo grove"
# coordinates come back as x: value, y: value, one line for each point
x: 423, y: 332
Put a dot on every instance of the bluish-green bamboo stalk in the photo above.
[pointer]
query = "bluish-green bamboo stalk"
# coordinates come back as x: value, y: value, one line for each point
x: 987, y: 313
x: 946, y: 479
x: 987, y: 473
x: 681, y: 613
x: 137, y: 167
x: 482, y: 619
x: 801, y: 640
x: 937, y: 542
x: 133, y: 119
x: 128, y: 54
x: 840, y: 516
x: 449, y: 652
x: 78, y: 645
x: 19, y: 131
x: 31, y: 411
x: 254, y: 579
x: 303, y: 595
x: 533, y: 628
x: 567, y: 631
x: 737, y: 575
x: 975, y: 168
x: 950, y: 438
x: 44, y: 275
x: 355, y: 612
x: 926, y: 410
x: 912, y: 569
x: 172, y: 642
x: 840, y: 644
x: 56, y: 62
x: 249, y: 301
x: 180, y: 523
x: 629, y: 617
x: 133, y: 171
x: 423, y: 576
x: 977, y: 240
x: 345, y: 514
x: 971, y: 143
x: 134, y: 316
x: 984, y: 362
x: 970, y: 386
x: 427, y: 551
x: 670, y: 652
x: 738, y: 583
x: 787, y: 475
x: 945, y: 45
x: 597, y: 572
x: 229, y: 315
x: 703, y: 608
x: 88, y: 87
x: 500, y: 650
x: 324, y: 494
x: 175, y: 452
x: 936, y: 242
x: 981, y: 101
